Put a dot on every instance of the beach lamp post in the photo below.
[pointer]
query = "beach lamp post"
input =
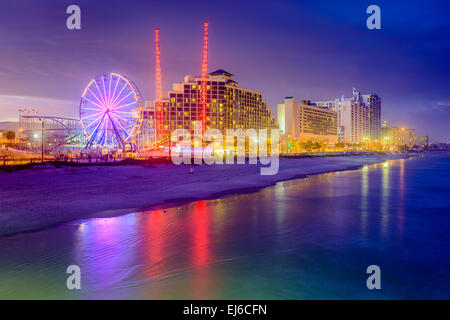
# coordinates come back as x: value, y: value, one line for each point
x: 42, y: 139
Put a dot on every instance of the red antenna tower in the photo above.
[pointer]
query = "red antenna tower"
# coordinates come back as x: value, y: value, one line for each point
x: 158, y: 87
x: 204, y: 79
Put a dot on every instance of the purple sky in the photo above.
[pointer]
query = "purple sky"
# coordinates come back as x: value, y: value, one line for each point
x: 315, y: 49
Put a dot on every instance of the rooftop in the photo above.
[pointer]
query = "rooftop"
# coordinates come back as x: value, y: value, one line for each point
x: 221, y: 72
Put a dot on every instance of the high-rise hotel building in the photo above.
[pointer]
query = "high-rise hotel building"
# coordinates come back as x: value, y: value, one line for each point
x: 359, y: 116
x: 302, y: 121
x: 373, y: 104
x: 228, y: 105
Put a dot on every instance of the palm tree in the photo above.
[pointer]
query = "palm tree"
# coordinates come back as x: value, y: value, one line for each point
x: 10, y: 135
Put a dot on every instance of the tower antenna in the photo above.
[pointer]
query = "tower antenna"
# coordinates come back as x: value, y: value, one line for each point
x: 204, y: 78
x: 158, y: 87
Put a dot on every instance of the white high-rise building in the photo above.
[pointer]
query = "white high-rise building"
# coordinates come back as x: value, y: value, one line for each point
x: 359, y: 116
x: 285, y: 113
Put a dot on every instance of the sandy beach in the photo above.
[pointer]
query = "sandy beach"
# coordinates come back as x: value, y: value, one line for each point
x: 37, y: 198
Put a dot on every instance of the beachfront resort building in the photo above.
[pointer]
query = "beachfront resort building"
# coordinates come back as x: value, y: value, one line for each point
x: 228, y: 105
x: 302, y: 122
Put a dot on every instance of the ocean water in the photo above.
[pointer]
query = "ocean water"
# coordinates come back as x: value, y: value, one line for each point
x: 310, y: 238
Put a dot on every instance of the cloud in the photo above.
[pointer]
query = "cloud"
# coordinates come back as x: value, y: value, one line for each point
x: 442, y: 106
x: 10, y: 105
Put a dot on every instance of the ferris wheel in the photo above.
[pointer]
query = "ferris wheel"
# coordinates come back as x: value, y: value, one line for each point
x: 109, y: 110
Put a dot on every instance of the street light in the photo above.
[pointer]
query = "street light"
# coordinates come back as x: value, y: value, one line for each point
x: 42, y: 140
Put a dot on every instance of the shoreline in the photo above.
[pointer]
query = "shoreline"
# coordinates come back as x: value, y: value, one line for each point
x: 78, y: 162
x: 38, y: 199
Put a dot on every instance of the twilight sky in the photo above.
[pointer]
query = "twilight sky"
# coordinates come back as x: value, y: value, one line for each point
x: 308, y: 49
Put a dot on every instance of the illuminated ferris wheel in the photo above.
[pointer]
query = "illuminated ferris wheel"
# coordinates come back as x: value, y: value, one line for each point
x: 109, y: 111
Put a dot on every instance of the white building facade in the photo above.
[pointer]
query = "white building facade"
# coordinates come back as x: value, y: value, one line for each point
x: 358, y: 116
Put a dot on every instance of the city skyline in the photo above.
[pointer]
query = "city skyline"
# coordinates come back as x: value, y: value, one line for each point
x: 319, y: 52
x: 210, y: 153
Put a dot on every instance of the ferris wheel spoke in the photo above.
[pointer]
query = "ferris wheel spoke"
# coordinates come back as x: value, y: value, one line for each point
x: 122, y: 113
x: 101, y: 107
x: 98, y: 89
x: 109, y: 88
x: 116, y: 111
x: 114, y: 115
x: 104, y: 91
x: 123, y: 106
x: 129, y: 93
x: 119, y: 138
x: 101, y: 141
x: 120, y: 124
x: 95, y: 121
x: 120, y: 117
x: 118, y: 96
x: 94, y: 96
x: 94, y: 109
x: 94, y: 134
x: 94, y: 115
x: 114, y: 131
x: 124, y: 130
x: 106, y: 130
x: 115, y: 87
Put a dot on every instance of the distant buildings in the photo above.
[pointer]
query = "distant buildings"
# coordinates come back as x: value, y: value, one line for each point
x: 401, y: 137
x: 302, y: 121
x: 359, y: 117
x: 353, y: 120
x: 421, y: 140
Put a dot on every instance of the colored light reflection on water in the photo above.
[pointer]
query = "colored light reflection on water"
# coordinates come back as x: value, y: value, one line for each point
x: 305, y: 239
